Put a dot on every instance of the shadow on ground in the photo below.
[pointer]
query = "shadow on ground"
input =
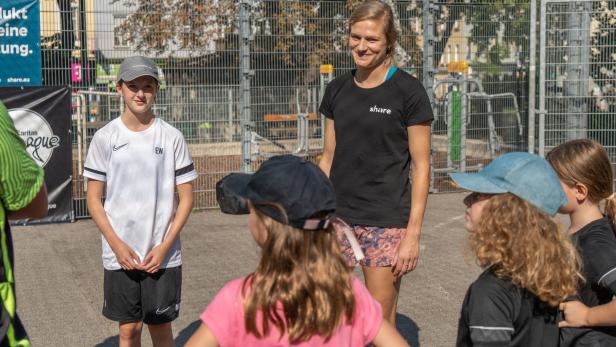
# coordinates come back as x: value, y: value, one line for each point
x: 406, y: 326
x: 186, y: 333
x: 408, y: 329
x: 180, y: 340
x: 112, y: 341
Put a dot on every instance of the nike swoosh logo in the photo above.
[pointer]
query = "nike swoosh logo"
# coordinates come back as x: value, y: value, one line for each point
x: 159, y: 311
x: 115, y: 148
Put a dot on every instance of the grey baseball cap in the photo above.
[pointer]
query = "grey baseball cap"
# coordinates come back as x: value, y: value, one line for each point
x: 135, y: 67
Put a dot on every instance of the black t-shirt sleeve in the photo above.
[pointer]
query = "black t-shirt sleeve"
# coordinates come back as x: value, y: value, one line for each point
x: 417, y: 108
x: 490, y: 314
x: 600, y: 260
x: 326, y: 104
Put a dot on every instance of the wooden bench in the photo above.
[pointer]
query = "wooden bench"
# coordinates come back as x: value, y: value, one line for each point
x: 285, y: 125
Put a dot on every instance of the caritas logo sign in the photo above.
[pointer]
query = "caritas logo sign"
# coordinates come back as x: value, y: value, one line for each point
x: 36, y: 133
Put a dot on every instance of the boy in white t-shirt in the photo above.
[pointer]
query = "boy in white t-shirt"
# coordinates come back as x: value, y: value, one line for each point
x: 138, y: 161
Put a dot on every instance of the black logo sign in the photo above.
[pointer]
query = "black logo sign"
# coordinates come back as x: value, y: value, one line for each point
x: 37, y: 134
x: 158, y: 150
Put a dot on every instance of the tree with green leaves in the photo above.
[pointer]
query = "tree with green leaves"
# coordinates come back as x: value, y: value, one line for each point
x: 290, y: 39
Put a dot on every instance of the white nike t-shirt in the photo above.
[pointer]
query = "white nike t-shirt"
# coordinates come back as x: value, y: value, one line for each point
x: 141, y: 170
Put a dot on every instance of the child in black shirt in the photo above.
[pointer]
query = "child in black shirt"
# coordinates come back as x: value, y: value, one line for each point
x: 586, y: 175
x: 530, y: 266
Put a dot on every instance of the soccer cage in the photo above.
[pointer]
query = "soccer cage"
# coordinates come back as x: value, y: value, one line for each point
x: 243, y: 79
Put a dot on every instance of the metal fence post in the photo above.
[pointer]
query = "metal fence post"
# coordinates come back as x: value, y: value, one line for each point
x: 245, y: 74
x: 575, y: 87
x: 463, y: 122
x: 428, y: 66
x: 428, y: 51
x: 542, y: 65
x: 532, y: 77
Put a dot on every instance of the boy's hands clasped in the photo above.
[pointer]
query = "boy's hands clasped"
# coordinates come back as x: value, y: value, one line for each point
x: 126, y: 256
x: 130, y: 260
x: 152, y: 261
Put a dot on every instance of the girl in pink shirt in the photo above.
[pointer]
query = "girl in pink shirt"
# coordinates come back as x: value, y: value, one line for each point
x: 302, y: 293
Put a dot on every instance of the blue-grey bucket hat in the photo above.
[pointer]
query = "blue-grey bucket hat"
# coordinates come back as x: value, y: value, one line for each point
x: 525, y: 175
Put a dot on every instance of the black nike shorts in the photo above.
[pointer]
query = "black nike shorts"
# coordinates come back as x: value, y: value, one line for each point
x: 139, y: 296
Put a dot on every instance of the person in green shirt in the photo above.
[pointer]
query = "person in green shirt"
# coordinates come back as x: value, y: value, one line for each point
x: 22, y: 195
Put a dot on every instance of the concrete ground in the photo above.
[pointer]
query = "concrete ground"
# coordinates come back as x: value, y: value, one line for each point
x: 60, y: 278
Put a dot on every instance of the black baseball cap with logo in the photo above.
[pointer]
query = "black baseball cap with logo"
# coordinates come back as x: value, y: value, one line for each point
x: 135, y: 67
x: 294, y: 184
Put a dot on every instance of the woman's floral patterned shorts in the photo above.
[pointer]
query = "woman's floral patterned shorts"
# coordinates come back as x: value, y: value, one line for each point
x: 378, y: 244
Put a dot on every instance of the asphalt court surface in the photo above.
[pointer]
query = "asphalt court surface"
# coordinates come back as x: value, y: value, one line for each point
x: 60, y: 277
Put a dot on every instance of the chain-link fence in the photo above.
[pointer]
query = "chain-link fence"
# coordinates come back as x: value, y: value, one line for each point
x: 296, y: 48
x: 243, y: 79
x: 578, y: 73
x: 195, y: 45
x: 479, y: 53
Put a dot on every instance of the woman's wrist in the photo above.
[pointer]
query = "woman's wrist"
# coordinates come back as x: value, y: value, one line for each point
x: 413, y: 229
x: 412, y: 233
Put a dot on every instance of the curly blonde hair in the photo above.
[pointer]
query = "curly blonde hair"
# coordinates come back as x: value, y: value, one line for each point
x: 303, y: 272
x: 524, y: 245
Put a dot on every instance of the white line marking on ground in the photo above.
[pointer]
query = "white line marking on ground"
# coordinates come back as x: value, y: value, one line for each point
x: 451, y: 220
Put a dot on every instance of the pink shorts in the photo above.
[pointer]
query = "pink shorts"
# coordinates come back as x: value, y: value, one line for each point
x: 378, y: 244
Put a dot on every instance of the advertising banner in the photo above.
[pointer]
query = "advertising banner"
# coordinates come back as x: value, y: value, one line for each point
x: 20, y: 43
x: 42, y: 117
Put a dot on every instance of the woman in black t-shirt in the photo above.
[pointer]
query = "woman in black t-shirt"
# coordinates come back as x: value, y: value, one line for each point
x: 586, y: 175
x: 377, y: 129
